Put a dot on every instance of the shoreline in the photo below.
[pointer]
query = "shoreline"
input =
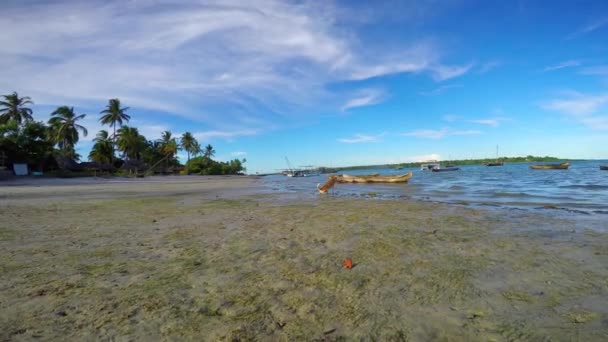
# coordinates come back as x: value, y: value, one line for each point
x: 228, y: 259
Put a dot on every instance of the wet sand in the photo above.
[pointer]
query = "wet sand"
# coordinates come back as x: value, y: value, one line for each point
x: 221, y: 258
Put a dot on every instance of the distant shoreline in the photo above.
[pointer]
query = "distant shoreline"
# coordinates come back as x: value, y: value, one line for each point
x: 510, y: 160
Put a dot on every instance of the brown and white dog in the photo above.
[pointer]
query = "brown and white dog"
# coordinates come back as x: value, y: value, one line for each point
x: 328, y: 185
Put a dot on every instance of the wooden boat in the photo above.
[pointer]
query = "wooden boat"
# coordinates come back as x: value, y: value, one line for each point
x: 604, y: 167
x: 562, y: 166
x: 373, y: 178
x: 445, y: 169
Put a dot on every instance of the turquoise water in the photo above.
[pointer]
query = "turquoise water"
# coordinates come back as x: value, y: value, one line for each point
x: 582, y: 189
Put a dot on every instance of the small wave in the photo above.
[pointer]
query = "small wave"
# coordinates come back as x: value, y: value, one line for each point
x: 510, y: 194
x: 585, y: 187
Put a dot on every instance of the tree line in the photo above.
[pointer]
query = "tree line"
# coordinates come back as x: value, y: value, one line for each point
x: 51, y: 145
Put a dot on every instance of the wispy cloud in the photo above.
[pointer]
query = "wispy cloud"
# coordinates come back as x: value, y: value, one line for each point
x: 267, y: 60
x: 445, y: 72
x: 226, y: 135
x: 450, y: 117
x: 361, y: 138
x: 494, y: 122
x: 589, y: 109
x: 366, y: 97
x: 578, y: 104
x: 562, y: 65
x: 438, y: 134
x: 593, y: 26
x: 598, y: 70
x: 486, y: 67
x: 439, y: 90
x: 238, y: 154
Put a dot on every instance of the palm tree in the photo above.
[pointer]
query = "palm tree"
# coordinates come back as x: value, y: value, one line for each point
x: 209, y: 151
x: 196, y: 149
x: 102, y: 150
x: 188, y: 142
x: 13, y: 108
x: 129, y: 142
x: 64, y: 129
x: 168, y: 146
x: 114, y: 114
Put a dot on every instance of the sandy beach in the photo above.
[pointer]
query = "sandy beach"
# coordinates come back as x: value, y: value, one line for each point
x: 223, y: 258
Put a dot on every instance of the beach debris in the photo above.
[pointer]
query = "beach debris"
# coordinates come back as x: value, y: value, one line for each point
x: 329, y: 331
x: 348, y: 263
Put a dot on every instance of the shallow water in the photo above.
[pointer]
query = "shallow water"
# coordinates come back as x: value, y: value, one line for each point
x: 580, y: 190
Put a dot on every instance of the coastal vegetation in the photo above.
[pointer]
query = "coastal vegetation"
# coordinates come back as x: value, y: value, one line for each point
x: 50, y: 146
x: 483, y: 161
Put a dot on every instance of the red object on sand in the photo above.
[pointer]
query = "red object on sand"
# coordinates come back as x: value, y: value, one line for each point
x: 348, y: 263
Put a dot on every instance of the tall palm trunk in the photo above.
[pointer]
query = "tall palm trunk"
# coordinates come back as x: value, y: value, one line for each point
x: 113, y: 143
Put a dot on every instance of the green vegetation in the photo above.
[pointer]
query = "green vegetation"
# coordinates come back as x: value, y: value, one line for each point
x: 487, y: 160
x: 207, y: 166
x: 51, y: 146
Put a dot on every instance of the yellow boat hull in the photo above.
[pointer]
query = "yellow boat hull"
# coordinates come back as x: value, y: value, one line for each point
x: 562, y: 166
x: 374, y: 178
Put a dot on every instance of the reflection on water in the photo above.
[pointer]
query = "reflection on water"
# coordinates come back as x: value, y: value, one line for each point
x: 581, y: 189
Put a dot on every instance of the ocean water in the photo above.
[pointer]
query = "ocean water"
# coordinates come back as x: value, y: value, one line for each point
x: 582, y: 189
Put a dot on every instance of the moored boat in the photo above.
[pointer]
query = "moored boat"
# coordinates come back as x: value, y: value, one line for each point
x: 604, y: 167
x: 562, y: 166
x: 429, y: 165
x: 496, y: 162
x: 373, y: 178
x: 445, y: 169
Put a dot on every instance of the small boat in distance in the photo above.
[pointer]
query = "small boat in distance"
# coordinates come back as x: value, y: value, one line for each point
x: 445, y: 169
x: 373, y: 178
x: 562, y: 166
x: 496, y: 162
x: 429, y: 165
x: 604, y: 167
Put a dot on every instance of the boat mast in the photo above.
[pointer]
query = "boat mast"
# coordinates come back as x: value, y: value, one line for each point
x: 289, y: 166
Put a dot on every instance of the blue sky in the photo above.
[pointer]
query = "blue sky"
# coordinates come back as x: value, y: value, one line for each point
x: 324, y: 83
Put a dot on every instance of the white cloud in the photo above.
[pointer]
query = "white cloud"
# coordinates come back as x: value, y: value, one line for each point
x: 238, y: 154
x: 578, y: 104
x: 420, y: 158
x: 589, y: 109
x: 599, y: 70
x: 361, y: 138
x: 204, y: 136
x: 438, y: 134
x: 562, y: 65
x: 445, y: 72
x: 264, y: 59
x: 450, y: 117
x: 596, y: 25
x: 486, y: 67
x: 494, y: 122
x: 365, y: 97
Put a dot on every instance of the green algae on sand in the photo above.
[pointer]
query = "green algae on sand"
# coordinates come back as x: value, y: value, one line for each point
x: 247, y: 268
